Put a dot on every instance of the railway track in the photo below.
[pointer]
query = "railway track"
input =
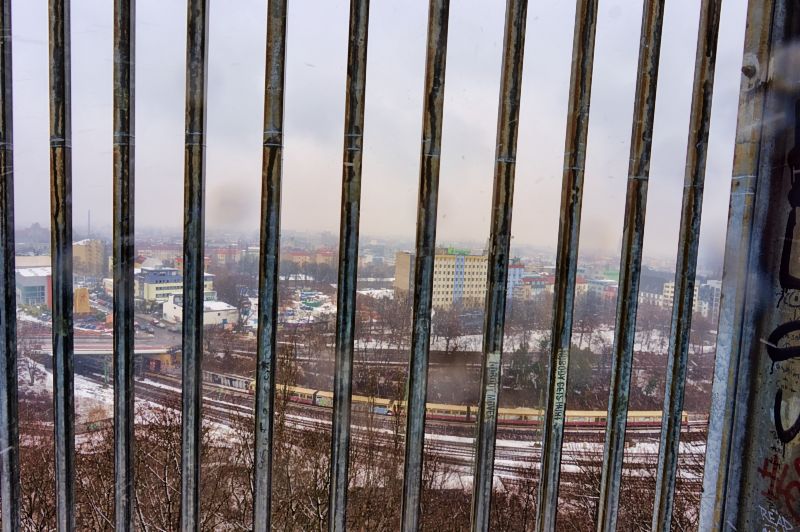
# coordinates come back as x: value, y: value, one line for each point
x: 693, y: 430
x: 516, y: 461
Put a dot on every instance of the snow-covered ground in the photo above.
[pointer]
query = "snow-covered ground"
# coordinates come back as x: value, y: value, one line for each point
x: 89, y: 395
x: 308, y: 306
x: 378, y: 293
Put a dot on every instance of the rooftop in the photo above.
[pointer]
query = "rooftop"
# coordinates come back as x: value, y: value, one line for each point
x: 34, y: 272
x: 217, y: 306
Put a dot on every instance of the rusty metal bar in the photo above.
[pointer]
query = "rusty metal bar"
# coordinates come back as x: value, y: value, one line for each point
x: 499, y: 250
x: 123, y: 259
x: 348, y: 261
x: 432, y: 115
x: 686, y: 263
x: 630, y: 262
x: 61, y: 252
x: 9, y: 406
x: 567, y: 260
x: 271, y: 173
x: 193, y: 263
x: 719, y: 503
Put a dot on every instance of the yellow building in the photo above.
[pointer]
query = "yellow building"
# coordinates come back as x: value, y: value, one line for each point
x: 326, y: 256
x: 404, y: 273
x: 80, y: 301
x: 297, y: 257
x: 459, y: 278
x: 88, y: 257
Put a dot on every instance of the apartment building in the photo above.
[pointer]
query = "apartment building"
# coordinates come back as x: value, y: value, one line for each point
x: 459, y: 277
x: 706, y: 297
x: 89, y: 257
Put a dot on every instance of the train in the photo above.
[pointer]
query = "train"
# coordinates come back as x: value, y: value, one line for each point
x: 434, y: 411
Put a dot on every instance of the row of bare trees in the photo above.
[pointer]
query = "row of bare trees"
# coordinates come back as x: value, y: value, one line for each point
x: 300, y: 479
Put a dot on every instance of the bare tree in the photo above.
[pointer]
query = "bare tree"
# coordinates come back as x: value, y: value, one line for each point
x: 447, y: 328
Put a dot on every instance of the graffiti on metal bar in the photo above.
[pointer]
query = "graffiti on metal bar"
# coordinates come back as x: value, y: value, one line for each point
x: 784, y: 484
x: 493, y: 370
x: 781, y: 475
x: 789, y: 282
x: 561, y: 384
x: 773, y: 520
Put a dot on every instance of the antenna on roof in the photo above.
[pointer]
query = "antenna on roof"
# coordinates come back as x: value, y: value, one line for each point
x: 89, y: 224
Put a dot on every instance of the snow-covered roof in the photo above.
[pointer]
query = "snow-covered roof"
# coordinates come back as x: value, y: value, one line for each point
x: 215, y: 306
x: 34, y: 272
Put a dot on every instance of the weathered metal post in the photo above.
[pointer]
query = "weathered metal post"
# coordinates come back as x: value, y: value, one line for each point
x: 630, y: 266
x: 269, y: 256
x: 348, y: 261
x: 9, y: 411
x: 193, y: 259
x: 499, y: 254
x: 740, y: 219
x: 61, y: 253
x: 432, y: 115
x: 569, y: 227
x: 752, y: 476
x: 123, y: 365
x: 686, y: 263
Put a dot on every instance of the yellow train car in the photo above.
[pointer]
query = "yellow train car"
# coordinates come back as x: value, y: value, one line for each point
x: 449, y: 412
x: 440, y: 411
x: 297, y: 394
x: 520, y: 415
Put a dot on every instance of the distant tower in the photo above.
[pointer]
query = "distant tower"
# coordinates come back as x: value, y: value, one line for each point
x: 89, y: 224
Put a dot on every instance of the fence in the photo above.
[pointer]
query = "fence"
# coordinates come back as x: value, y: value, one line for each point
x: 748, y: 397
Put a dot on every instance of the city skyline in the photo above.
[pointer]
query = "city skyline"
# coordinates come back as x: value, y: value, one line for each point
x: 314, y: 115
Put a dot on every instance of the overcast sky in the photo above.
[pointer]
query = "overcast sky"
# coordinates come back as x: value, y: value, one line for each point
x: 317, y: 48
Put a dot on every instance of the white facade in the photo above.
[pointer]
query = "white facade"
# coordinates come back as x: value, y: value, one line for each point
x: 214, y: 312
x: 33, y: 286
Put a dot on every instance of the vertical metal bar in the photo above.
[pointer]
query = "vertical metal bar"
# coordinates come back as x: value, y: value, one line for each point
x: 61, y: 252
x: 9, y: 417
x: 630, y: 261
x: 567, y: 259
x: 123, y: 258
x: 348, y: 260
x: 271, y: 173
x: 715, y: 506
x: 432, y: 115
x: 193, y: 263
x: 686, y: 263
x: 499, y: 250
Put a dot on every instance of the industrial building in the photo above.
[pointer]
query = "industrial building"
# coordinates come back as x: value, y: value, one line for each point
x: 34, y: 289
x: 33, y: 286
x: 214, y: 312
x: 156, y: 285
